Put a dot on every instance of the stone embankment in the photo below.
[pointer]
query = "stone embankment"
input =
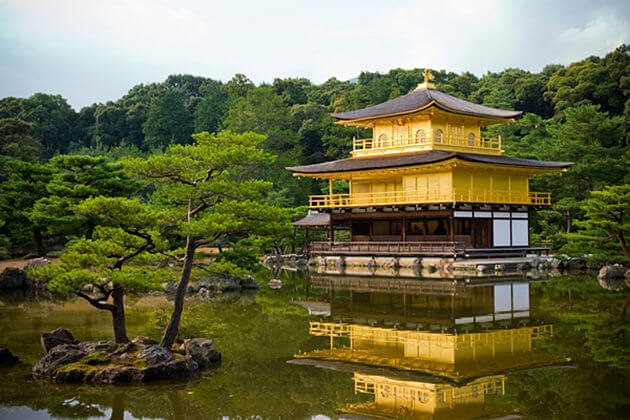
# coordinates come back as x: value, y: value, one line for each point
x: 433, y: 264
x: 141, y: 360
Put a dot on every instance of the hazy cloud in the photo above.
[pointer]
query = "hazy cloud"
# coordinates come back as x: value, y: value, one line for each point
x: 92, y: 51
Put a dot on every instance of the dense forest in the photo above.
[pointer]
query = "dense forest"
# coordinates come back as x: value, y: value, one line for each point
x: 53, y: 157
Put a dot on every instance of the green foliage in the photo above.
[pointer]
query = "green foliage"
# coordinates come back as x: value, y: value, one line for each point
x: 606, y: 225
x: 168, y: 121
x: 97, y: 262
x: 74, y: 179
x: 24, y: 185
x: 113, y: 263
x: 602, y: 81
x: 16, y: 140
x: 577, y: 113
x: 210, y: 111
x: 243, y: 254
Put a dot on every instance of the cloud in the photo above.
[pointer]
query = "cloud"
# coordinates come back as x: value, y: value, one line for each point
x: 604, y: 32
x: 97, y: 50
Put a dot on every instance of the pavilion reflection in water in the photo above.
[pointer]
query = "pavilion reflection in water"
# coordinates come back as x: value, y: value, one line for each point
x: 469, y: 333
x: 395, y: 397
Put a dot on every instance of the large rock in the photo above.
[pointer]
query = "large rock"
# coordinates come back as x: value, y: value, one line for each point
x: 57, y: 337
x: 275, y: 284
x: 115, y: 374
x: 108, y: 362
x: 35, y: 263
x: 7, y: 358
x: 13, y: 278
x: 143, y: 341
x: 94, y: 346
x: 32, y: 283
x: 201, y: 350
x: 176, y: 368
x: 155, y: 354
x: 613, y: 277
x: 58, y: 356
x: 615, y: 271
x: 216, y: 283
x: 248, y: 283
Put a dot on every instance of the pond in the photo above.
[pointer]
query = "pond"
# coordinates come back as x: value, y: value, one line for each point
x: 353, y: 347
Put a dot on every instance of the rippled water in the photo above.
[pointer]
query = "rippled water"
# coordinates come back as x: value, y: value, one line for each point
x: 343, y: 346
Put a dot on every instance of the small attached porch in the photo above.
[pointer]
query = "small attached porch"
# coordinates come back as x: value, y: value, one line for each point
x: 413, y: 232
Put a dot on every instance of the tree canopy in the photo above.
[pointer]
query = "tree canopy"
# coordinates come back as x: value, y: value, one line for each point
x: 579, y: 113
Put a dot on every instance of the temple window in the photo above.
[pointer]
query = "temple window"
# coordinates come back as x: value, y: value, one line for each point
x: 382, y: 139
x: 471, y: 139
x: 420, y: 136
x: 438, y: 135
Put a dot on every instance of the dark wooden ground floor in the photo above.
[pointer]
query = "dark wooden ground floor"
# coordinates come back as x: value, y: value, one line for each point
x: 441, y: 231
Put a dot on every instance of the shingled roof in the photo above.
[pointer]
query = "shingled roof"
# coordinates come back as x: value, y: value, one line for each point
x: 432, y: 156
x: 422, y: 98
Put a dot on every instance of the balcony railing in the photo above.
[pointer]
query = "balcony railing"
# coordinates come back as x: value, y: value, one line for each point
x: 437, y: 248
x: 418, y: 197
x: 405, y: 143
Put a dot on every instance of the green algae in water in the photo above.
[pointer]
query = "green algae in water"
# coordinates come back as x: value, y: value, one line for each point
x: 259, y: 334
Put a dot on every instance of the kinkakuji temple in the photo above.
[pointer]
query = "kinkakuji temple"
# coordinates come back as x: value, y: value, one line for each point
x: 427, y: 183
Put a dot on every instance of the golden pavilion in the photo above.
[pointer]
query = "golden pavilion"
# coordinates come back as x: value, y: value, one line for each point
x: 427, y: 183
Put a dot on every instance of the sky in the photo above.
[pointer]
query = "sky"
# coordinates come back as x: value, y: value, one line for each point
x: 95, y: 51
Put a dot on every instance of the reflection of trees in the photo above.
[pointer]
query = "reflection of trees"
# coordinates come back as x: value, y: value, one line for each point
x: 618, y: 285
x: 590, y: 332
x: 590, y: 391
x: 118, y: 406
x: 82, y: 401
x: 586, y: 319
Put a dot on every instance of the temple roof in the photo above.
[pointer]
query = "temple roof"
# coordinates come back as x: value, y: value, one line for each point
x: 422, y: 98
x: 422, y: 158
x: 313, y: 219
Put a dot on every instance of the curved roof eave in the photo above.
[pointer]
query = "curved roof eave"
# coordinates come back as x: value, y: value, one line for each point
x: 421, y: 99
x: 423, y: 158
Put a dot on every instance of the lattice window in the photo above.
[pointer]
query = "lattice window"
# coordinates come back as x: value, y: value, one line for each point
x: 439, y: 134
x: 471, y: 139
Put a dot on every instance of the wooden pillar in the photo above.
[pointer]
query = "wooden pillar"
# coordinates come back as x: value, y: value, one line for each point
x: 331, y: 232
x: 452, y: 224
x: 404, y: 229
x: 350, y: 218
x: 330, y: 186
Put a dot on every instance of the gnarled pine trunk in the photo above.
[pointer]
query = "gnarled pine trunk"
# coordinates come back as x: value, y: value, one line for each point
x: 170, y: 333
x: 118, y: 315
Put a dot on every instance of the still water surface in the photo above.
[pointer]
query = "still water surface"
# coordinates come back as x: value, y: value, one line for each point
x: 353, y: 347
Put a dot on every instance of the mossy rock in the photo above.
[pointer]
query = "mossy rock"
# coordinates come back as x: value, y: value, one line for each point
x: 96, y: 358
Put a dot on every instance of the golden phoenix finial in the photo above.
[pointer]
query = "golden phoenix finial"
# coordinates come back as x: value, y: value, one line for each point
x: 428, y: 76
